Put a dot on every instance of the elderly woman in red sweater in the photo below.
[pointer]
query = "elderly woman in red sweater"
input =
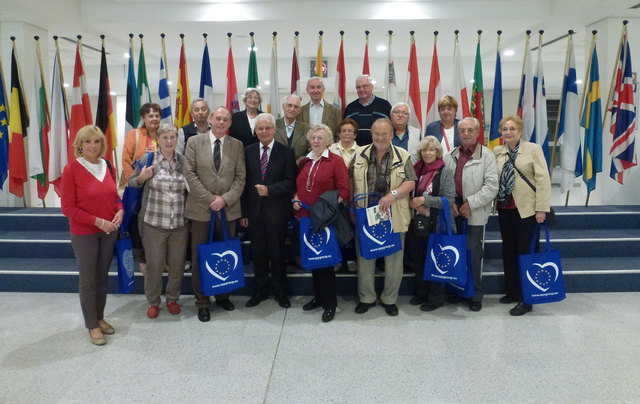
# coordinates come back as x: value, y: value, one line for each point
x: 321, y: 171
x: 90, y: 201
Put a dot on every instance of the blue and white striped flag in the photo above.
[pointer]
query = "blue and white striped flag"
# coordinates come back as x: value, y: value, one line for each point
x: 163, y: 94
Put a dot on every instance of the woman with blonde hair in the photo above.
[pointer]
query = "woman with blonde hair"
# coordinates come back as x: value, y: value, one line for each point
x: 90, y: 200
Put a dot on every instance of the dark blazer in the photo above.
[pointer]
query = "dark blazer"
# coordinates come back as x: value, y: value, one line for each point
x: 331, y: 116
x: 280, y: 179
x: 435, y: 129
x: 240, y: 128
x: 299, y: 142
x: 205, y: 182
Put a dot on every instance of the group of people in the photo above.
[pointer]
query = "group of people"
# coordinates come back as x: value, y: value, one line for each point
x: 258, y: 172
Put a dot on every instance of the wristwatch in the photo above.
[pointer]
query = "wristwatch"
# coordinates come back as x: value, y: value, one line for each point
x: 395, y: 194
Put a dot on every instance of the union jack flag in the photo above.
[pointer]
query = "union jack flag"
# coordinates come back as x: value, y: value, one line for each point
x: 623, y: 115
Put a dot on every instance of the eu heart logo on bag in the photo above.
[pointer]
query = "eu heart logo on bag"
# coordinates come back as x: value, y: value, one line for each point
x: 316, y: 241
x: 127, y: 260
x: 378, y: 232
x: 222, y: 266
x: 544, y: 275
x: 446, y: 258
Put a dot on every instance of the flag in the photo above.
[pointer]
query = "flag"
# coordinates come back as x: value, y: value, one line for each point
x: 163, y: 88
x: 252, y: 75
x: 365, y: 62
x: 390, y: 84
x: 80, y: 104
x: 39, y: 130
x: 295, y: 70
x: 4, y: 132
x: 339, y: 97
x: 183, y: 99
x: 132, y: 112
x: 540, y: 133
x: 459, y: 84
x: 319, y: 68
x: 623, y: 115
x: 206, y: 82
x: 274, y: 95
x: 526, y: 98
x: 591, y: 121
x: 413, y: 88
x: 59, y: 133
x: 434, y: 86
x: 231, y: 97
x: 495, y: 138
x: 144, y: 94
x: 477, y: 94
x: 568, y: 124
x: 18, y: 123
x: 104, y: 113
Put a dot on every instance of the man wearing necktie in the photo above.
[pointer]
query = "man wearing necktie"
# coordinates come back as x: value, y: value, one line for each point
x: 292, y: 132
x: 266, y: 209
x: 215, y: 173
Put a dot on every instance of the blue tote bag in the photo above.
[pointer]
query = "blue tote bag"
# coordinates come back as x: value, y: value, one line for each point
x: 132, y: 199
x: 221, y: 267
x: 467, y: 291
x: 375, y: 241
x: 446, y: 253
x: 318, y: 250
x: 125, y: 264
x: 541, y: 273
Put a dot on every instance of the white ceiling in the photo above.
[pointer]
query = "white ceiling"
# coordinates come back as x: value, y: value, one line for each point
x: 117, y: 18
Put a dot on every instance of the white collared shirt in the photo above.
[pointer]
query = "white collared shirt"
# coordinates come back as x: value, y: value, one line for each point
x: 312, y: 156
x: 315, y: 113
x: 289, y: 128
x: 269, y: 150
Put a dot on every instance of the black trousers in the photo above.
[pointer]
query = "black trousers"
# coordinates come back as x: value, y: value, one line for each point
x: 267, y: 253
x: 516, y: 234
x: 324, y: 287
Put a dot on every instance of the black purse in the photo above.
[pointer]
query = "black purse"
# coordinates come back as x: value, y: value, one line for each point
x: 421, y: 226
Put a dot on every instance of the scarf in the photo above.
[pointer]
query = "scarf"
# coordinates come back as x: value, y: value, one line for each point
x: 426, y: 173
x: 508, y: 175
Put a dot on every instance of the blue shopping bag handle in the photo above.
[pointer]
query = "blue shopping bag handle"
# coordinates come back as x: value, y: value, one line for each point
x: 445, y: 216
x: 361, y: 197
x: 536, y: 230
x: 304, y: 205
x: 212, y: 225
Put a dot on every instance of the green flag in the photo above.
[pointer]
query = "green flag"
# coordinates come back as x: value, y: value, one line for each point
x: 252, y: 77
x: 144, y: 94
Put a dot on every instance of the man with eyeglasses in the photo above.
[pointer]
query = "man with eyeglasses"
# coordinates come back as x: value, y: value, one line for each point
x: 476, y: 180
x: 404, y: 135
x: 366, y: 109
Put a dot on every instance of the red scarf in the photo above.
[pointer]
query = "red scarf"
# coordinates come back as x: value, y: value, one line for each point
x: 426, y: 173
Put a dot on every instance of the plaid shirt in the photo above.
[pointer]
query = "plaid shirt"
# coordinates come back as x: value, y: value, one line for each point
x: 166, y: 195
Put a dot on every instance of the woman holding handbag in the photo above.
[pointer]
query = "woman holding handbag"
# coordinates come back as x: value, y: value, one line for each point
x: 321, y: 171
x: 434, y: 181
x: 523, y: 199
x: 163, y: 228
x: 90, y: 200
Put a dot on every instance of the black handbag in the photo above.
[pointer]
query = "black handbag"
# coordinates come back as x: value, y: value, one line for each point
x: 420, y: 226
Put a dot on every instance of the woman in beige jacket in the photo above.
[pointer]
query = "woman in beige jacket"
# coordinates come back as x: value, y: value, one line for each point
x: 520, y: 204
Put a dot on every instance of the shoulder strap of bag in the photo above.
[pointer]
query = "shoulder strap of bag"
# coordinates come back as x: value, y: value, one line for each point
x: 534, y: 237
x: 110, y: 169
x: 137, y: 140
x: 445, y: 216
x: 525, y: 179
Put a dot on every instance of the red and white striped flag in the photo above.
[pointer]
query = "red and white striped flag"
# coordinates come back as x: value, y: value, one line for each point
x: 339, y: 97
x: 365, y: 62
x: 80, y: 104
x: 413, y: 88
x: 434, y: 85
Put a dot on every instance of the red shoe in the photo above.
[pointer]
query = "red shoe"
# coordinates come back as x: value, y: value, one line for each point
x: 152, y: 311
x: 174, y: 307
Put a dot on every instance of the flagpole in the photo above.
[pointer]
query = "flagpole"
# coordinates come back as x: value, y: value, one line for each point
x: 524, y: 61
x: 46, y: 97
x: 555, y: 140
x: 615, y: 71
x: 164, y: 56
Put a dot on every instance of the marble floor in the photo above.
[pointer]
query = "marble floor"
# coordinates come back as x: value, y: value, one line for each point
x: 585, y: 349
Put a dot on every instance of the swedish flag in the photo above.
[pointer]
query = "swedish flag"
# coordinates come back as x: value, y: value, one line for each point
x: 592, y: 123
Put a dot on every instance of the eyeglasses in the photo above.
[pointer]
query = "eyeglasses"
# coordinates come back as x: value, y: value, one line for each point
x: 401, y: 113
x: 466, y: 130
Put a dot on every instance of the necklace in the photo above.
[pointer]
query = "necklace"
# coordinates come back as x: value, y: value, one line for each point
x: 312, y: 180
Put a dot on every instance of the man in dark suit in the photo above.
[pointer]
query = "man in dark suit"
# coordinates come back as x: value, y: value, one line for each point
x: 292, y: 132
x: 215, y: 172
x: 266, y: 209
x: 200, y: 113
x: 317, y: 110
